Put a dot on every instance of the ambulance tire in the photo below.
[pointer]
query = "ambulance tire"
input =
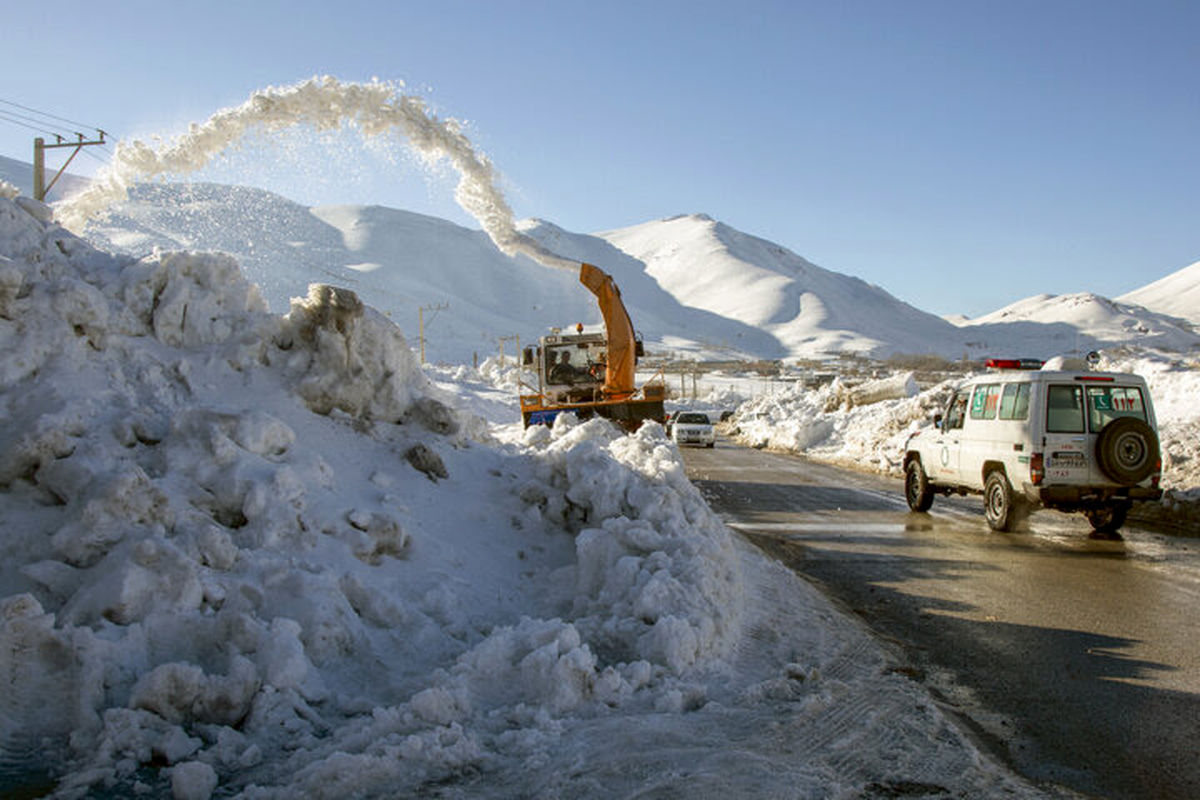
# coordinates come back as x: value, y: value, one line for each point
x: 1127, y: 450
x: 1001, y: 507
x: 1107, y: 519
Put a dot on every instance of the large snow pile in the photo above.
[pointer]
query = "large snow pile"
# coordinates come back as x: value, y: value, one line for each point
x: 266, y: 556
x: 833, y: 423
x: 228, y: 534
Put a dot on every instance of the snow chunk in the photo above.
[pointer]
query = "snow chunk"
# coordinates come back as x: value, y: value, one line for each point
x: 191, y: 299
x: 180, y: 692
x: 352, y: 358
x: 656, y: 575
x: 134, y: 580
x: 193, y: 780
x: 536, y: 662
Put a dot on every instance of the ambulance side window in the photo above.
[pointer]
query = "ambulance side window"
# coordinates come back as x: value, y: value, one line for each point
x: 1014, y: 402
x: 987, y: 397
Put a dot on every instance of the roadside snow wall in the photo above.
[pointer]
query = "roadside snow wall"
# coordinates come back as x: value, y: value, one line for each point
x: 249, y: 553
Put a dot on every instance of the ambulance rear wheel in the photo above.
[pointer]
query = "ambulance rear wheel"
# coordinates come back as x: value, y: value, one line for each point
x: 1107, y: 519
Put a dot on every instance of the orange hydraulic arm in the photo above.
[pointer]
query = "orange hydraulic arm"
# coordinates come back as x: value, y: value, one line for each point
x: 619, y: 374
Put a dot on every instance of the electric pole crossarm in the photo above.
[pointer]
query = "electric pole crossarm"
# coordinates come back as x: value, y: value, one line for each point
x: 40, y: 188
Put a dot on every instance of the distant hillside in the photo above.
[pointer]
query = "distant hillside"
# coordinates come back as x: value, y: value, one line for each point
x: 695, y: 288
x: 397, y: 261
x: 1178, y: 294
x: 20, y: 174
x: 1076, y: 322
x: 809, y: 310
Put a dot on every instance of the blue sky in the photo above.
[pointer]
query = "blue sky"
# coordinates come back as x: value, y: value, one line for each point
x: 960, y: 154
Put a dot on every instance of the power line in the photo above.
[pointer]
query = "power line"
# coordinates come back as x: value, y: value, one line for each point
x: 12, y: 116
x: 51, y: 116
x: 6, y: 118
x: 90, y: 154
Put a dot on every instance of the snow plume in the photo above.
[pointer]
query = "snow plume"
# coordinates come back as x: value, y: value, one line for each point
x: 376, y: 108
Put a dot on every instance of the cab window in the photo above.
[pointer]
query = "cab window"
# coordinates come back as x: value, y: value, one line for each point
x: 985, y: 401
x: 956, y: 411
x: 1106, y: 403
x: 1064, y: 409
x: 1014, y: 401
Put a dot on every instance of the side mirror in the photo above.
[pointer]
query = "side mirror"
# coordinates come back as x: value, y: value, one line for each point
x: 528, y: 357
x: 937, y: 421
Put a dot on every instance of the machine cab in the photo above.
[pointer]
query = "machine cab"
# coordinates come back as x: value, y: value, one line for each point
x: 570, y: 367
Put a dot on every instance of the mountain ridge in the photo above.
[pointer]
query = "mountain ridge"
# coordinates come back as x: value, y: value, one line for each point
x: 696, y: 287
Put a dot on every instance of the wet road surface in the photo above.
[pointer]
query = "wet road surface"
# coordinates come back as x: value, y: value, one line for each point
x: 1076, y: 660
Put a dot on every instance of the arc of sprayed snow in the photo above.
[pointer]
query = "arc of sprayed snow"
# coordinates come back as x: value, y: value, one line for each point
x: 377, y: 108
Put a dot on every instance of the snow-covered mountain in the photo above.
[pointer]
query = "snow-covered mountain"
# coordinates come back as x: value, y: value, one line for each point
x: 397, y: 261
x: 1178, y: 294
x: 1076, y: 323
x: 808, y: 310
x: 755, y: 298
x: 696, y: 288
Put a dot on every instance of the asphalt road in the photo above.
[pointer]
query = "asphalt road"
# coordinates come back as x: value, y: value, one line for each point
x: 1074, y: 659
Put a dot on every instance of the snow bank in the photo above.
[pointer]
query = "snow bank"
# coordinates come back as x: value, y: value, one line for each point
x: 655, y: 578
x: 1174, y: 384
x: 265, y: 554
x: 845, y: 424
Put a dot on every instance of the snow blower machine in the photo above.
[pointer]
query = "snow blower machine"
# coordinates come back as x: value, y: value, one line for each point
x: 593, y: 374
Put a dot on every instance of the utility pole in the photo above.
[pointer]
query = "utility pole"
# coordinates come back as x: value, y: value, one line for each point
x: 421, y: 323
x: 40, y: 189
x: 502, y: 339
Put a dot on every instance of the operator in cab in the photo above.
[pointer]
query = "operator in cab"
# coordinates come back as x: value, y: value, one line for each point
x: 564, y: 372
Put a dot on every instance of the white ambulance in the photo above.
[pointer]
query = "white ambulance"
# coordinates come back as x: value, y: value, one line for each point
x: 1027, y: 438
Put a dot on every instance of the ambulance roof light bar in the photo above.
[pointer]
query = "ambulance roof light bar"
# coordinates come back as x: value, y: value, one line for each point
x: 1013, y: 363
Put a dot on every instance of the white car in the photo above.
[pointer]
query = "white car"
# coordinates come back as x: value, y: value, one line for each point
x: 1027, y: 438
x: 692, y: 427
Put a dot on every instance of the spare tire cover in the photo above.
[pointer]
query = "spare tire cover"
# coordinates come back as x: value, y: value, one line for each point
x: 1127, y: 450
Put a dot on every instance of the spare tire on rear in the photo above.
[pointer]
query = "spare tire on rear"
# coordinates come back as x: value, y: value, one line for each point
x: 1127, y: 450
